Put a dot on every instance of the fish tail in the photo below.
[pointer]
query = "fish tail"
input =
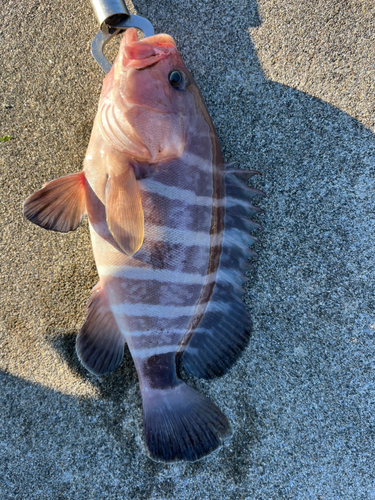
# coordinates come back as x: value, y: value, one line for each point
x: 181, y: 424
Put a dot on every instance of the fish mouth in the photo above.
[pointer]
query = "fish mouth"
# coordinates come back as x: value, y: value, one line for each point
x: 147, y: 52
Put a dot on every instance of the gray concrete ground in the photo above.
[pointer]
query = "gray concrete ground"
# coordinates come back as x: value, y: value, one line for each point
x: 290, y: 87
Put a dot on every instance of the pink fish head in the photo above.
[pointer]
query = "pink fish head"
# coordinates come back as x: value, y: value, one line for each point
x: 148, y: 99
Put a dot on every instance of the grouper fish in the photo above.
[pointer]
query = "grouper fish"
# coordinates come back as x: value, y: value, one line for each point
x: 170, y: 225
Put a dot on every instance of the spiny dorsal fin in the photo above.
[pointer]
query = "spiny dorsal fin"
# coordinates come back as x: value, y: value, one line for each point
x: 100, y: 344
x: 124, y: 211
x: 225, y: 327
x: 60, y: 205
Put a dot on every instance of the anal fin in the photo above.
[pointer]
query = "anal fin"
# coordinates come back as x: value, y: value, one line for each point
x: 100, y: 343
x: 60, y: 205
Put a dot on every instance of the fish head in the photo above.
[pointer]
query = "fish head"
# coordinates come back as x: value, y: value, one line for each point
x: 149, y: 99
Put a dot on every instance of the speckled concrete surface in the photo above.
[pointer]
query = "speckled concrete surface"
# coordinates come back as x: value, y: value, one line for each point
x: 290, y: 87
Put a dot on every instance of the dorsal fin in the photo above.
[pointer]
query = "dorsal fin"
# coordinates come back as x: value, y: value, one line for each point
x: 224, y: 329
x: 100, y: 343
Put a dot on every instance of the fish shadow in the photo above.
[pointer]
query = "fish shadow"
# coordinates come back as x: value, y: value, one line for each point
x: 111, y: 387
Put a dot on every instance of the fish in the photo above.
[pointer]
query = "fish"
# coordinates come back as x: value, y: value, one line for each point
x: 171, y: 225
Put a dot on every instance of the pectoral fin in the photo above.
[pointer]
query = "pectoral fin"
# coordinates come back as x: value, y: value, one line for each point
x: 124, y: 211
x: 60, y: 205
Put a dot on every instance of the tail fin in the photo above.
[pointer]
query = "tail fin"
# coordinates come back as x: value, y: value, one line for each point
x: 181, y: 424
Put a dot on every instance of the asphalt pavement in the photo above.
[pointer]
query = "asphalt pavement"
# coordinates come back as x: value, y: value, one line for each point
x: 290, y: 88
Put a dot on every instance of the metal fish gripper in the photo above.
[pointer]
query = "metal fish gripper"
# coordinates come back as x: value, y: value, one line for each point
x: 114, y: 18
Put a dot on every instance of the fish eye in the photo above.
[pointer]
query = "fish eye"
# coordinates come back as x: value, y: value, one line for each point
x: 176, y: 79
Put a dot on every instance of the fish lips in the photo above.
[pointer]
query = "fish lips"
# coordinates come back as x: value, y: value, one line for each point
x: 140, y: 59
x: 143, y: 53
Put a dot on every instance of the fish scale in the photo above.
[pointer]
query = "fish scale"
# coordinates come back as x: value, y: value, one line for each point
x: 164, y: 325
x: 170, y: 230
